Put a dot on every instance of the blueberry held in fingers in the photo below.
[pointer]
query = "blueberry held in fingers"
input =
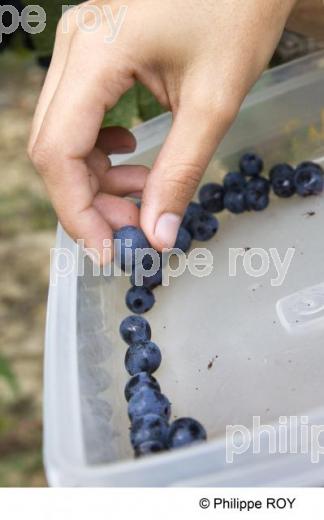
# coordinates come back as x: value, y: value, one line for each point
x: 128, y: 240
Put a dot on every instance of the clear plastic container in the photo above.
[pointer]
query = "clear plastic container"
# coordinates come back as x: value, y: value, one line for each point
x: 233, y: 347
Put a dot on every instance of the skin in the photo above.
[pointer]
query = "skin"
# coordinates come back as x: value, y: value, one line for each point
x: 198, y: 57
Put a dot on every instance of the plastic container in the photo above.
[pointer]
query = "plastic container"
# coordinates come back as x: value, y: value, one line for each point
x: 233, y: 347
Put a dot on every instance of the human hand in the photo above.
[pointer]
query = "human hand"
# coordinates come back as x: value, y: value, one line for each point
x: 198, y: 57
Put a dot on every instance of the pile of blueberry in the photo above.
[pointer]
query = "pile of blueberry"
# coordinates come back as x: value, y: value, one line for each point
x: 246, y: 190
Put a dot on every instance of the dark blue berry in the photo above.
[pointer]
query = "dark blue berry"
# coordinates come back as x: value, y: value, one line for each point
x: 148, y: 401
x: 257, y: 194
x: 251, y: 164
x: 139, y: 299
x: 193, y: 209
x: 139, y: 381
x: 150, y: 282
x: 183, y: 241
x: 235, y: 201
x: 150, y: 427
x: 234, y: 181
x: 203, y: 226
x: 185, y: 431
x: 128, y: 239
x: 282, y: 180
x: 135, y: 329
x: 308, y: 179
x: 142, y: 357
x: 148, y: 448
x: 211, y: 197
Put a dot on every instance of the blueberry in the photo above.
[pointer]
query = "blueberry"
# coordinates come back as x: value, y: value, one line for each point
x: 308, y: 179
x: 185, y: 431
x: 251, y: 164
x: 211, y: 197
x: 234, y: 181
x: 148, y: 401
x: 150, y: 427
x: 282, y: 180
x: 203, y: 226
x: 150, y: 282
x: 130, y: 238
x: 139, y: 381
x: 148, y: 448
x: 139, y: 299
x: 193, y: 209
x: 235, y: 201
x: 135, y: 329
x: 183, y: 241
x: 257, y: 194
x: 142, y: 357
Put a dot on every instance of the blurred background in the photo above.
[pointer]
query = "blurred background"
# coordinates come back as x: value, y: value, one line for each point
x: 27, y: 232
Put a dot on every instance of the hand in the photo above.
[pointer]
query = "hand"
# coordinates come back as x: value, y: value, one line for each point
x: 198, y: 57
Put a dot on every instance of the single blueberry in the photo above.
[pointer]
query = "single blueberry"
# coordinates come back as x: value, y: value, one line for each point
x: 148, y: 401
x: 308, y: 179
x: 143, y: 357
x: 211, y: 197
x: 150, y: 427
x: 251, y: 164
x: 185, y: 431
x: 234, y: 181
x: 282, y: 180
x: 183, y: 241
x: 193, y: 209
x: 259, y: 184
x: 257, y: 193
x: 148, y: 448
x: 235, y: 201
x: 139, y: 381
x: 203, y: 226
x: 135, y: 329
x: 128, y: 239
x: 139, y: 299
x: 150, y: 282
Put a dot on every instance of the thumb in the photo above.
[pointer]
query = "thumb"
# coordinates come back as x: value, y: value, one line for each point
x: 178, y: 169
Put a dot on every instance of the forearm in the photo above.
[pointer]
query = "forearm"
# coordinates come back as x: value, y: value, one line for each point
x: 308, y: 18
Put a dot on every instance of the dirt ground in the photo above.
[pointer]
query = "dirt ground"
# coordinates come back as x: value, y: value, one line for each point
x: 27, y: 231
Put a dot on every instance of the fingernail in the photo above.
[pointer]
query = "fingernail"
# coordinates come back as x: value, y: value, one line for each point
x: 166, y: 229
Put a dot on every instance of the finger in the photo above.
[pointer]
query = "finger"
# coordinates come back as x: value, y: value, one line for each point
x: 194, y: 136
x: 120, y: 180
x: 116, y: 211
x: 116, y: 139
x: 69, y: 134
x: 59, y: 58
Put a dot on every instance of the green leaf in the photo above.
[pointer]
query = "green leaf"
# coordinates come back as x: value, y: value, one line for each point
x: 7, y: 374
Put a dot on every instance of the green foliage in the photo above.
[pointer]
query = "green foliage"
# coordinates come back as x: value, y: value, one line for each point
x: 7, y: 374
